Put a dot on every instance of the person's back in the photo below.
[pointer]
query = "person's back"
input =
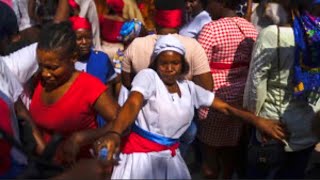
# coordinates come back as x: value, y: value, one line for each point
x: 138, y: 55
x: 228, y: 43
x: 268, y: 100
x: 282, y: 85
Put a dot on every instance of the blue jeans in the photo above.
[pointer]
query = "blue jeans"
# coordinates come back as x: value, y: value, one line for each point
x: 187, y: 138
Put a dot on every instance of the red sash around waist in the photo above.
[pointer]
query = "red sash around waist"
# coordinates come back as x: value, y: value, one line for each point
x: 134, y: 143
x: 216, y: 65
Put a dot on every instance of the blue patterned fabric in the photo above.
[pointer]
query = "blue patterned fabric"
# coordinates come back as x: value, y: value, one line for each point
x: 307, y: 56
x: 130, y: 30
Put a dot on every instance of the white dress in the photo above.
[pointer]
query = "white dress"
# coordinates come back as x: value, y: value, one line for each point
x: 166, y: 115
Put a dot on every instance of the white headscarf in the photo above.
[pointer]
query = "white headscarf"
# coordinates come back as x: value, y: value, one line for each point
x: 168, y: 43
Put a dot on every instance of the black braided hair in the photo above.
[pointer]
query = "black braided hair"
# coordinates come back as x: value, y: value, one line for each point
x: 58, y: 37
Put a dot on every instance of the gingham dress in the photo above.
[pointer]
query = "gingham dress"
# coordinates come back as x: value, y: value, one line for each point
x: 228, y: 44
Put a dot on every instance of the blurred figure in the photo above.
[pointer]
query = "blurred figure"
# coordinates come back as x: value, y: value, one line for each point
x: 13, y: 162
x: 9, y: 28
x: 282, y: 84
x: 147, y: 8
x: 112, y: 18
x: 227, y: 41
x: 197, y: 18
x: 266, y: 12
x: 87, y: 169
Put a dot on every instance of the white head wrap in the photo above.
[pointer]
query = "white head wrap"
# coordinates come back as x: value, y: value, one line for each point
x: 168, y: 43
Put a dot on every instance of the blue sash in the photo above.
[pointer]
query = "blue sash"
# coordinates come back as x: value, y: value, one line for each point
x: 154, y: 137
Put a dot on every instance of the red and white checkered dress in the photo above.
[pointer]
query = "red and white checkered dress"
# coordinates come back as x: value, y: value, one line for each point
x: 228, y: 44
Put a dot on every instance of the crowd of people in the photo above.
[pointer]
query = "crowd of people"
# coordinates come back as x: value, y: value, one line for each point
x: 131, y: 89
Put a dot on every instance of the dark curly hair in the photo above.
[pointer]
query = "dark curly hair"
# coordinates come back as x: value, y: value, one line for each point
x: 58, y: 37
x: 184, y: 70
x: 231, y: 4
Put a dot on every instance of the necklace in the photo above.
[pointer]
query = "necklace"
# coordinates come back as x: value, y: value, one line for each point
x: 172, y: 97
x: 172, y: 90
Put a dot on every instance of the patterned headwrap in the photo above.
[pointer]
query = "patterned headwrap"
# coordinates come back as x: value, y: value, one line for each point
x: 168, y: 43
x: 307, y: 57
x: 130, y: 30
x: 80, y: 23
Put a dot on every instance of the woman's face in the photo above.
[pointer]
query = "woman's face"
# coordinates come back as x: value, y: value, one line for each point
x: 54, y: 70
x: 84, y: 41
x: 193, y: 7
x: 169, y: 65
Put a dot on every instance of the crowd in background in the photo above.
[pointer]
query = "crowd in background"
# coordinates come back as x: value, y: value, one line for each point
x: 134, y: 89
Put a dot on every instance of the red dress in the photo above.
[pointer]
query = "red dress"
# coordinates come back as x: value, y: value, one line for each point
x: 72, y: 112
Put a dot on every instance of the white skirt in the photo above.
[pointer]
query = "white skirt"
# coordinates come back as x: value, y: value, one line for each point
x: 153, y: 165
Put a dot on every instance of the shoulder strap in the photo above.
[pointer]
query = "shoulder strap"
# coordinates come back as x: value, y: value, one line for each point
x: 279, y: 73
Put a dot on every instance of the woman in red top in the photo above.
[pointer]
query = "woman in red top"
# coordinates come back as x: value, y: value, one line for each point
x: 66, y: 101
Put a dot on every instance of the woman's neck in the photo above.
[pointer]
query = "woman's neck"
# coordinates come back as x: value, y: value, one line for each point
x: 172, y: 88
x: 84, y: 58
x: 229, y: 13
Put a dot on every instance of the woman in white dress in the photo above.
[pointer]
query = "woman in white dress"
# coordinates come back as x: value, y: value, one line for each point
x: 161, y: 107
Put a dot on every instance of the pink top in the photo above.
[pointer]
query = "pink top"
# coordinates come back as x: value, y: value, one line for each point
x: 228, y: 44
x: 138, y: 55
x: 8, y: 2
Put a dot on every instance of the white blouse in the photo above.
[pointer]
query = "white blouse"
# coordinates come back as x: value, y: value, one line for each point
x: 164, y: 113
